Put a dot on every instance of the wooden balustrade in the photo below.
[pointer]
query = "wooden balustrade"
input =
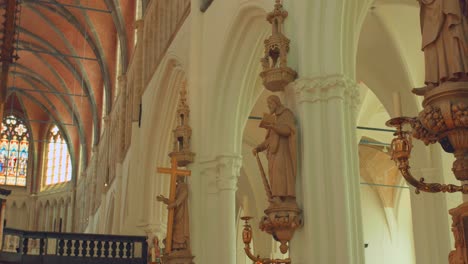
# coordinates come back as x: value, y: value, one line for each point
x: 26, y: 247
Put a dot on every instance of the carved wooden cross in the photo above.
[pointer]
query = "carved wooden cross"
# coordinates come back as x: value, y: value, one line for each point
x: 174, y: 172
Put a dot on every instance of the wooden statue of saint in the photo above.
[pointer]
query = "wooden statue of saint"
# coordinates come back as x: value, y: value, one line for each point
x: 280, y: 145
x: 180, y: 228
x: 444, y: 28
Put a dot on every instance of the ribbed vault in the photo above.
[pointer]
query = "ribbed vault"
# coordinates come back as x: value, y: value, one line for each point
x: 66, y: 70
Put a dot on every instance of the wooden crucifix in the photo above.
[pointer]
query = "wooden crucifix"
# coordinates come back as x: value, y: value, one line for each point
x: 174, y: 172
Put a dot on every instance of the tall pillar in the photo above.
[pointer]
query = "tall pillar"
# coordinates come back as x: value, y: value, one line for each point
x: 214, y: 185
x: 430, y: 222
x: 328, y: 179
x: 226, y: 182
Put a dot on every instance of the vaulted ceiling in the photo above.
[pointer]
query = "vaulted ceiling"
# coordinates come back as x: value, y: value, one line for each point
x: 66, y: 69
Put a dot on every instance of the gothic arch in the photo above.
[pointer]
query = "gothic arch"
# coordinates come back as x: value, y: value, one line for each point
x: 237, y: 85
x: 160, y: 120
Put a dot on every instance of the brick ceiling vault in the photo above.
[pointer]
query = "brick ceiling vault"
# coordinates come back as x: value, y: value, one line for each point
x: 66, y: 69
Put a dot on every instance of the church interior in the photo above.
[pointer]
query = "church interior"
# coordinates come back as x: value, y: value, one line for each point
x: 239, y: 131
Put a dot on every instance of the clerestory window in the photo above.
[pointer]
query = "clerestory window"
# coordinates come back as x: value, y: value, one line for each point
x: 59, y: 169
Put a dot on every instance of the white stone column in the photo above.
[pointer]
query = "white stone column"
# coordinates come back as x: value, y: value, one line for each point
x: 328, y: 178
x: 430, y: 221
x: 226, y: 182
x: 213, y: 188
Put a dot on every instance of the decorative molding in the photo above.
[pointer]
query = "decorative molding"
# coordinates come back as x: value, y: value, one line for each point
x: 226, y: 170
x: 326, y: 88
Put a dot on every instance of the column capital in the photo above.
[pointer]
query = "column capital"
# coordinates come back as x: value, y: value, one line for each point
x: 324, y: 88
x: 226, y: 170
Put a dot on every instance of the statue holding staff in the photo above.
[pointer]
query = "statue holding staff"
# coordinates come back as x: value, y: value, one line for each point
x: 280, y: 145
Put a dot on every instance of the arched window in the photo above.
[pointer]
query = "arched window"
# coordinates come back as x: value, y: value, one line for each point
x: 14, y: 148
x: 59, y: 167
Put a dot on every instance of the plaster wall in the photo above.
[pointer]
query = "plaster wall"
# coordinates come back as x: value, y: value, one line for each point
x: 385, y: 245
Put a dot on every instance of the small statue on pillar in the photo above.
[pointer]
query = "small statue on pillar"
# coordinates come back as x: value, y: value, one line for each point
x: 177, y: 242
x: 276, y: 74
x: 177, y: 246
x: 283, y: 215
x: 180, y: 226
x: 182, y: 133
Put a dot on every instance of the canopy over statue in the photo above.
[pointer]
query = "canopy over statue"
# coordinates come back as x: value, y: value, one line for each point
x: 444, y: 40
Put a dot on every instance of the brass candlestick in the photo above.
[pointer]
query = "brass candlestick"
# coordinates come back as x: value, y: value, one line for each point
x: 247, y: 238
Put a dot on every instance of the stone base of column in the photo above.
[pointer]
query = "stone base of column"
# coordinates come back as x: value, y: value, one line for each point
x: 460, y: 233
x: 178, y: 257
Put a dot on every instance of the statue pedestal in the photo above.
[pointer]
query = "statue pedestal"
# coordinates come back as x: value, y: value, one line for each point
x: 460, y: 232
x: 281, y: 221
x: 178, y: 257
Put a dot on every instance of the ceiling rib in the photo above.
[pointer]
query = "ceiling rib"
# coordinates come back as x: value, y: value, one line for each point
x: 73, y: 6
x: 42, y: 91
x: 57, y: 54
x: 98, y: 52
x: 59, y: 124
x: 49, y: 122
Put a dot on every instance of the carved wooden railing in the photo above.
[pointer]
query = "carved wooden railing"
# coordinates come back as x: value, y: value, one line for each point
x: 49, y: 248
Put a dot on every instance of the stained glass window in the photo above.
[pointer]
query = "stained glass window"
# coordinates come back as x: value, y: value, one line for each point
x: 14, y: 148
x: 59, y: 167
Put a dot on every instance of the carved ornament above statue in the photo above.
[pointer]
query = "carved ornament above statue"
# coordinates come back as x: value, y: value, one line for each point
x: 276, y: 74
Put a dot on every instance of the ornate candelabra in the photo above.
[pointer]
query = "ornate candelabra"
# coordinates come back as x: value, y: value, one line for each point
x: 247, y: 238
x: 444, y: 120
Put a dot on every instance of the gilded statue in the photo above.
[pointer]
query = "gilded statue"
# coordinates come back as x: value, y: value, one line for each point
x: 444, y: 30
x: 280, y: 147
x: 180, y: 228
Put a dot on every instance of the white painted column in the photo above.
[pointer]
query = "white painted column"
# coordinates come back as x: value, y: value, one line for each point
x: 328, y: 180
x: 430, y: 222
x: 213, y: 188
x: 226, y: 182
